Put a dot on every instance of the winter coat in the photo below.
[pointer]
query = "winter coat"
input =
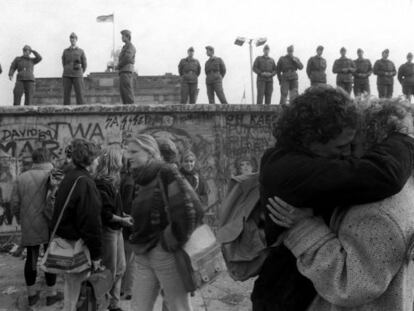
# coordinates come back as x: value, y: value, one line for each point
x: 363, y: 69
x: 316, y: 69
x: 344, y: 68
x: 364, y: 260
x: 111, y: 202
x: 189, y: 70
x: 287, y: 68
x: 264, y: 64
x: 198, y: 183
x: 126, y: 59
x: 215, y: 70
x: 74, y: 62
x: 29, y: 201
x: 24, y: 66
x: 385, y: 71
x: 406, y: 74
x: 82, y: 217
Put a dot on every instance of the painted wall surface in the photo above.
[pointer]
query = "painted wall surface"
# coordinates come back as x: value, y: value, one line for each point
x: 225, y: 139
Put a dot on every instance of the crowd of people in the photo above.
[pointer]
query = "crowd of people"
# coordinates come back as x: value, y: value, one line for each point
x: 336, y: 199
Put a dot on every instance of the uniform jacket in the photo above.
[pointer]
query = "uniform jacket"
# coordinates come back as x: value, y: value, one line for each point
x: 344, y: 68
x: 126, y: 59
x: 74, y: 62
x: 29, y: 201
x: 81, y: 219
x: 215, y: 70
x: 287, y: 67
x: 406, y: 74
x: 316, y: 69
x: 264, y: 64
x: 24, y: 66
x: 364, y: 260
x: 189, y: 70
x: 385, y: 70
x: 363, y: 69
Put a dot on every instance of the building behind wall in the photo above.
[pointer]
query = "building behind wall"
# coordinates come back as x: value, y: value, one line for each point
x: 103, y: 88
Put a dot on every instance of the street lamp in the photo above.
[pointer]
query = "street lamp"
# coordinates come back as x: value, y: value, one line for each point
x: 258, y: 42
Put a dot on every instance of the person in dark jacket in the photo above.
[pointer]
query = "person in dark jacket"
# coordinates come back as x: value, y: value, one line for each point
x: 287, y: 67
x: 81, y: 217
x: 406, y: 77
x: 265, y: 68
x: 25, y: 81
x: 189, y: 171
x: 344, y: 68
x: 157, y: 235
x: 74, y: 66
x: 316, y: 68
x: 189, y: 70
x: 385, y: 71
x: 363, y: 70
x: 126, y: 69
x: 318, y: 141
x: 215, y: 71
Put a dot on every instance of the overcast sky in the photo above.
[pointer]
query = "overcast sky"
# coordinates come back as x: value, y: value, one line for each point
x: 162, y: 30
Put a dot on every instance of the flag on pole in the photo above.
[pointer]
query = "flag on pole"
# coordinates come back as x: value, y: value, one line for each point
x: 105, y: 18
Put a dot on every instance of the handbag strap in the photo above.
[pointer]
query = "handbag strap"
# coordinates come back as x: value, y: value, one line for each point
x: 64, y: 208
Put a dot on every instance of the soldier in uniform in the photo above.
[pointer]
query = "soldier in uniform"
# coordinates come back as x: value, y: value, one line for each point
x: 316, y: 68
x: 287, y: 68
x: 344, y: 68
x: 265, y: 68
x: 189, y: 69
x: 406, y: 77
x: 215, y: 72
x: 363, y: 70
x: 25, y: 80
x: 74, y: 65
x: 126, y: 69
x: 385, y: 71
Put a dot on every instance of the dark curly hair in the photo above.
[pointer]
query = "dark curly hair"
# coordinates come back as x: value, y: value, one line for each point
x: 84, y: 152
x: 320, y: 114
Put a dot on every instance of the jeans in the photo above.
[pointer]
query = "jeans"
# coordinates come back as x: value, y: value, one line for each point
x: 264, y: 90
x: 288, y: 87
x: 26, y: 87
x: 216, y: 88
x: 114, y: 259
x: 72, y: 289
x: 30, y: 267
x: 189, y: 91
x: 155, y: 270
x: 130, y: 272
x: 126, y: 87
x: 77, y: 83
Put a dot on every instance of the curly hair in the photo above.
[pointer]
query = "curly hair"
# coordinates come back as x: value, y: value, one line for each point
x: 84, y: 152
x: 320, y: 114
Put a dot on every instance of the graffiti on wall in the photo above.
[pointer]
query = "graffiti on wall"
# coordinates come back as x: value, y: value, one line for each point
x: 225, y: 144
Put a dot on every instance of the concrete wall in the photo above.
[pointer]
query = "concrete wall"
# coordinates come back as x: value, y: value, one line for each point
x: 103, y: 88
x: 220, y: 136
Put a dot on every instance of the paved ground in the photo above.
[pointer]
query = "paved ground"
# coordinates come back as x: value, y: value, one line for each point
x: 222, y: 295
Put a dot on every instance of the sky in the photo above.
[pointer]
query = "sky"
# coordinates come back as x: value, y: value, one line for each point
x: 162, y: 30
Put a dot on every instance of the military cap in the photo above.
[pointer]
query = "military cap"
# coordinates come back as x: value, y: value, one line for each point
x: 73, y: 35
x: 343, y: 49
x: 410, y: 54
x: 126, y: 32
x: 290, y: 48
x: 209, y: 47
x: 190, y: 49
x: 320, y: 47
x: 386, y: 51
x: 266, y: 47
x: 360, y: 50
x: 27, y: 48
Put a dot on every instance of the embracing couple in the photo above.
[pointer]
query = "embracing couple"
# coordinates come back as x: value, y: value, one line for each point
x: 339, y: 198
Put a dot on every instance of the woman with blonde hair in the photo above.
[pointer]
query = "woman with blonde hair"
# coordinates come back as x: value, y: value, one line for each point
x: 159, y: 231
x: 113, y: 219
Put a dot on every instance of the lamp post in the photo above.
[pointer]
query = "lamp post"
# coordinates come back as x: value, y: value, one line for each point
x: 258, y: 42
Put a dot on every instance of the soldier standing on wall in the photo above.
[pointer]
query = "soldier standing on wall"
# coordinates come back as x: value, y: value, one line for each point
x: 316, y: 68
x: 25, y: 78
x: 74, y: 65
x: 189, y: 69
x: 385, y: 71
x: 126, y: 69
x: 287, y: 68
x: 215, y: 72
x: 265, y: 68
x: 344, y: 68
x: 363, y: 70
x: 406, y: 77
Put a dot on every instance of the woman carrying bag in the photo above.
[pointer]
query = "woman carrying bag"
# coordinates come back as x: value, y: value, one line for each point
x: 80, y: 220
x: 156, y: 234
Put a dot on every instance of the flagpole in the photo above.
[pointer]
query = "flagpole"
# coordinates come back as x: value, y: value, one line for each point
x: 113, y: 38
